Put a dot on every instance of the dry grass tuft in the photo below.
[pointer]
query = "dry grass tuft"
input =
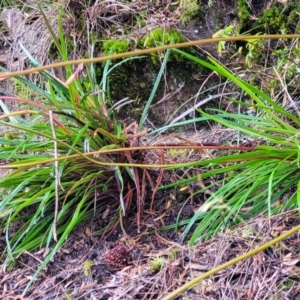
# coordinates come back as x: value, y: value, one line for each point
x: 31, y: 31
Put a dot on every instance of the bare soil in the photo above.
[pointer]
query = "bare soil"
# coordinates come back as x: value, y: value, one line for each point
x: 88, y: 267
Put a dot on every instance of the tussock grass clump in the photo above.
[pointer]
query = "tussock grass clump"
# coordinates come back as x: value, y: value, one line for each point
x: 62, y: 161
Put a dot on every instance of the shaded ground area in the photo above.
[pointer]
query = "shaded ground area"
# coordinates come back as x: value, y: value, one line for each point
x: 181, y: 81
x: 88, y: 267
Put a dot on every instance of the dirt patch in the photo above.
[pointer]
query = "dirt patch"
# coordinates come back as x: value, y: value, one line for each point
x: 84, y: 268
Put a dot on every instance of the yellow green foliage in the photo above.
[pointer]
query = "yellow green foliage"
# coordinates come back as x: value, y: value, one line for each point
x: 161, y: 36
x: 173, y: 252
x: 87, y: 266
x: 243, y: 12
x: 158, y: 37
x: 68, y: 295
x: 280, y: 18
x: 190, y: 9
x: 115, y: 46
x: 157, y: 264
